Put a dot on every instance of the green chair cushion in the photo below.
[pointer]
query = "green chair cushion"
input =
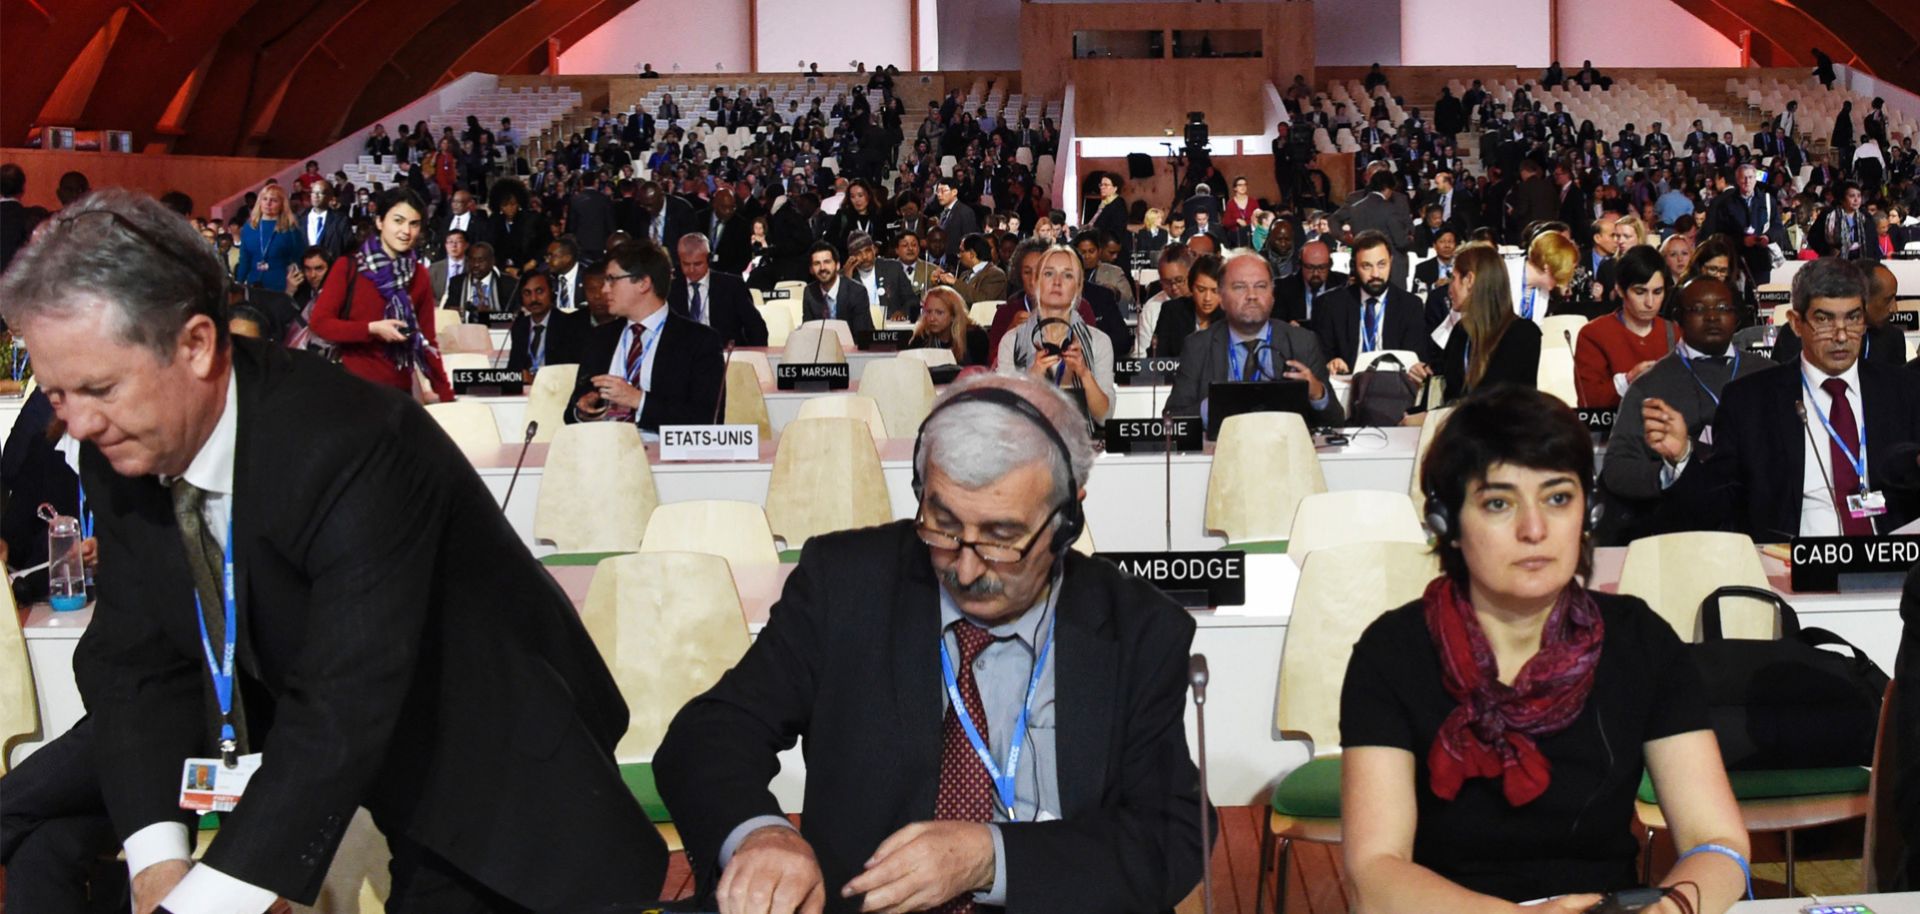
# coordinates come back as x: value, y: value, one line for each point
x: 789, y: 556
x: 1311, y: 791
x: 1782, y: 783
x: 565, y: 559
x: 1260, y: 547
x: 639, y: 778
x: 209, y: 821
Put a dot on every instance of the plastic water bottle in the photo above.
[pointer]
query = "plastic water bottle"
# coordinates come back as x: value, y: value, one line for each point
x: 67, y: 573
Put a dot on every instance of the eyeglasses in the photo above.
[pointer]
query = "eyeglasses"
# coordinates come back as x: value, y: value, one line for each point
x: 946, y: 543
x: 1827, y: 322
x: 616, y: 277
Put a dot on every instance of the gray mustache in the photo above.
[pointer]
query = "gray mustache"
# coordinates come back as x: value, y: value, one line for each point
x: 986, y: 585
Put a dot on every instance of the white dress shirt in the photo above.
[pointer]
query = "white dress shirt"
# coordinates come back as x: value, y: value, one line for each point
x: 1818, y: 514
x: 205, y: 890
x: 459, y: 221
x: 649, y: 330
x: 870, y: 278
x: 316, y: 223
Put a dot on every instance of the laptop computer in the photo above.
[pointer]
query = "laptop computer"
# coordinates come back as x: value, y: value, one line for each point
x: 1231, y: 398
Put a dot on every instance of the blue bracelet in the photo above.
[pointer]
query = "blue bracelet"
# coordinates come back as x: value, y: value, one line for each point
x: 1729, y: 853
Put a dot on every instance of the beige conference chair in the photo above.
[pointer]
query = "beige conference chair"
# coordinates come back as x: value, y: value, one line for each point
x: 1428, y: 428
x: 779, y: 321
x: 851, y: 406
x: 19, y: 702
x: 1327, y: 519
x: 826, y: 477
x: 903, y: 390
x: 812, y: 344
x: 1674, y: 572
x: 597, y: 491
x: 548, y: 399
x: 762, y: 367
x: 1554, y: 330
x: 747, y: 399
x: 1263, y: 465
x: 734, y: 530
x: 468, y: 423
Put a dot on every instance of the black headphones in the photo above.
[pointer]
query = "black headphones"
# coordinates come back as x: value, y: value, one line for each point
x: 1040, y: 343
x: 1440, y: 517
x: 1073, y: 517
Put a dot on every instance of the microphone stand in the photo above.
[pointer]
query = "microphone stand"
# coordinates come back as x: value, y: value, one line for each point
x: 533, y: 428
x: 726, y: 365
x: 1197, y: 678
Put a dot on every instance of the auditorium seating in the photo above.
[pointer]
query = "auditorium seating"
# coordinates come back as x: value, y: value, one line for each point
x: 762, y: 368
x: 733, y: 530
x: 548, y: 399
x: 598, y: 491
x: 469, y: 423
x: 1263, y: 465
x: 1342, y: 590
x: 746, y: 402
x: 849, y: 406
x: 1428, y: 429
x: 533, y: 109
x: 1557, y: 329
x: 902, y: 390
x: 1328, y: 519
x: 818, y: 342
x: 1665, y: 572
x: 1819, y: 106
x: 826, y: 477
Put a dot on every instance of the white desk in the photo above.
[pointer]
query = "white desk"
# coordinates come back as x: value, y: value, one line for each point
x: 1126, y: 494
x: 1899, y: 903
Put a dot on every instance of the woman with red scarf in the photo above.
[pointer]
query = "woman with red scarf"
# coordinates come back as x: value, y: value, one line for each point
x: 377, y: 306
x: 1495, y: 731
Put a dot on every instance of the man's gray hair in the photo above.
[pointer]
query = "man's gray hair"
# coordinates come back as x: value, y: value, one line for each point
x: 126, y: 250
x: 978, y: 443
x: 1828, y: 277
x: 693, y: 243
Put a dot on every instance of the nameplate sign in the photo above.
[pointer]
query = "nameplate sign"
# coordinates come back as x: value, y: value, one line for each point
x: 881, y: 339
x: 1151, y: 370
x: 812, y: 376
x: 1770, y: 297
x: 709, y: 442
x: 1178, y: 434
x: 1193, y: 579
x: 1599, y: 421
x: 776, y: 295
x: 502, y: 317
x: 509, y: 383
x: 1905, y: 320
x: 1831, y: 563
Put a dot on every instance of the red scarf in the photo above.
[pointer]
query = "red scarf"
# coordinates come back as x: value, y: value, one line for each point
x: 1491, y: 733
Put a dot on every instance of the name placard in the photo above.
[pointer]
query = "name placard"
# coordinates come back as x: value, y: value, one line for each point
x: 1179, y: 434
x: 1599, y: 421
x: 1192, y: 579
x: 509, y: 383
x: 776, y: 295
x: 1152, y: 370
x: 812, y: 376
x: 1905, y: 320
x: 502, y: 317
x: 881, y: 340
x: 709, y: 442
x: 1771, y: 297
x: 1830, y: 563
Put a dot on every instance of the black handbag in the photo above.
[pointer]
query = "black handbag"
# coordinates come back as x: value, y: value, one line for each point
x: 1786, y: 703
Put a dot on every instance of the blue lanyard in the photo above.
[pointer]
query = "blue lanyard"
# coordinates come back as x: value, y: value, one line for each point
x: 1003, y: 781
x: 1369, y: 327
x: 1688, y: 364
x: 86, y: 516
x: 1526, y: 304
x: 1233, y: 351
x: 221, y: 668
x: 19, y: 366
x: 1859, y: 461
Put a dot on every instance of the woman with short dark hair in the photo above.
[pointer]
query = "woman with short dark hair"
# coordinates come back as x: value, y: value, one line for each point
x: 1614, y: 350
x: 1495, y: 729
x: 377, y: 306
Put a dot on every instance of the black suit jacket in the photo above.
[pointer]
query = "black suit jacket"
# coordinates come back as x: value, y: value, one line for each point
x: 688, y: 372
x: 590, y: 219
x: 1290, y: 296
x: 1403, y: 325
x: 565, y: 339
x: 1204, y: 361
x: 16, y: 226
x: 506, y: 292
x: 525, y: 241
x: 1729, y: 215
x: 850, y: 305
x: 1129, y: 794
x: 729, y: 306
x: 336, y: 235
x: 1107, y: 316
x: 1751, y: 482
x: 399, y: 649
x: 1515, y: 360
x: 479, y: 226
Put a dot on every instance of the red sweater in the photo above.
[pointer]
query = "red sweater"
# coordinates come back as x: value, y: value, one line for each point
x: 362, y: 354
x: 1606, y: 347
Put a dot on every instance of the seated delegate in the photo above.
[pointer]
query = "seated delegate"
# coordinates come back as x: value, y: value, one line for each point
x: 649, y: 366
x: 1614, y: 350
x: 1056, y: 345
x: 944, y: 324
x: 1495, y: 730
x: 1250, y: 345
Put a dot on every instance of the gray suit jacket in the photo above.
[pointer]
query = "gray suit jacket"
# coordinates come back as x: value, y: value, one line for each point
x: 1204, y: 360
x: 1631, y: 469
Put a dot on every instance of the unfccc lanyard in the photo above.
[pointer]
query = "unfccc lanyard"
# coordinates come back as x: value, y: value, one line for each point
x: 1003, y: 782
x: 1735, y: 373
x: 1859, y: 461
x: 221, y: 668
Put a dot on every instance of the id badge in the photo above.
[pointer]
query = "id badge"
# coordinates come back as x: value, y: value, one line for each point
x: 208, y: 785
x: 1866, y: 504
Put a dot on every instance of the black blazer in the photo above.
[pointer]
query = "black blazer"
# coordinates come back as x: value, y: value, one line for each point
x: 850, y: 305
x: 1204, y: 360
x: 1107, y: 317
x: 1128, y: 792
x: 1751, y: 482
x: 730, y: 310
x: 1290, y: 296
x: 1402, y: 325
x: 688, y: 372
x: 525, y: 241
x: 566, y: 339
x: 506, y: 293
x: 896, y: 288
x: 336, y: 235
x: 1515, y: 360
x: 399, y: 649
x: 1176, y: 323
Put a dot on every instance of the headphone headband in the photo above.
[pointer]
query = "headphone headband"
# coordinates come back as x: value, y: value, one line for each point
x: 1072, y: 519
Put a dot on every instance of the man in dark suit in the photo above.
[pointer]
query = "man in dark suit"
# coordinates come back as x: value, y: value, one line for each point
x: 1099, y: 813
x: 16, y: 220
x: 1372, y: 314
x: 482, y: 289
x: 1755, y: 481
x: 1297, y: 297
x: 1251, y: 346
x: 379, y: 607
x: 590, y: 217
x: 1458, y: 207
x: 544, y: 335
x: 1383, y: 210
x: 956, y: 217
x: 651, y: 366
x: 885, y: 280
x: 322, y: 225
x: 728, y: 231
x: 668, y: 217
x: 461, y: 213
x: 568, y: 272
x: 832, y: 297
x: 1748, y: 215
x: 1572, y: 206
x: 717, y: 299
x: 1534, y: 199
x: 978, y: 278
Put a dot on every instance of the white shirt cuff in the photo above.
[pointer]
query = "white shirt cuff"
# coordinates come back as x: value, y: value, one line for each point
x: 209, y: 891
x: 741, y: 831
x: 996, y: 896
x: 157, y: 843
x: 1620, y: 383
x: 1669, y: 472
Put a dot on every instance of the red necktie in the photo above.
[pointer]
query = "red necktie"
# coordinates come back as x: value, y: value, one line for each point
x: 1846, y: 480
x: 966, y: 790
x: 636, y: 353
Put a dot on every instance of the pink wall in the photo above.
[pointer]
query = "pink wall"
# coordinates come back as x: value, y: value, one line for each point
x: 1442, y: 32
x: 1662, y: 35
x: 833, y: 32
x: 705, y: 37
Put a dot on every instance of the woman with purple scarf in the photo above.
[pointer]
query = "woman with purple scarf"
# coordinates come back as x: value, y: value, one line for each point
x: 367, y: 308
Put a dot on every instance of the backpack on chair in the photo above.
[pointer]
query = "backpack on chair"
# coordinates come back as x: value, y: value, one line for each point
x: 1382, y: 396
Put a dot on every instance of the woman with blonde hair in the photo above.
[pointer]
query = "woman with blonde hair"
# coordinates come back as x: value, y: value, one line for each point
x: 1628, y: 233
x: 1548, y: 282
x: 270, y: 242
x: 1490, y: 344
x: 1152, y: 236
x: 1056, y: 345
x: 944, y: 324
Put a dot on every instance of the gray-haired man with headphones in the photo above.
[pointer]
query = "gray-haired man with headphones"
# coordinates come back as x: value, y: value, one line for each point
x: 990, y: 717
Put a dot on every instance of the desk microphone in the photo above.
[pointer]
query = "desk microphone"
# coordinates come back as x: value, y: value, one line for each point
x: 726, y: 364
x: 533, y: 428
x: 1568, y: 336
x: 1197, y: 680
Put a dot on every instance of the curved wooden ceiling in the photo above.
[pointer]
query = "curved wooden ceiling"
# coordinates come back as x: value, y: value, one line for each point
x: 281, y: 78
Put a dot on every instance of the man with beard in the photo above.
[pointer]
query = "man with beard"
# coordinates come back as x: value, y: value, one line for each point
x: 1373, y: 314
